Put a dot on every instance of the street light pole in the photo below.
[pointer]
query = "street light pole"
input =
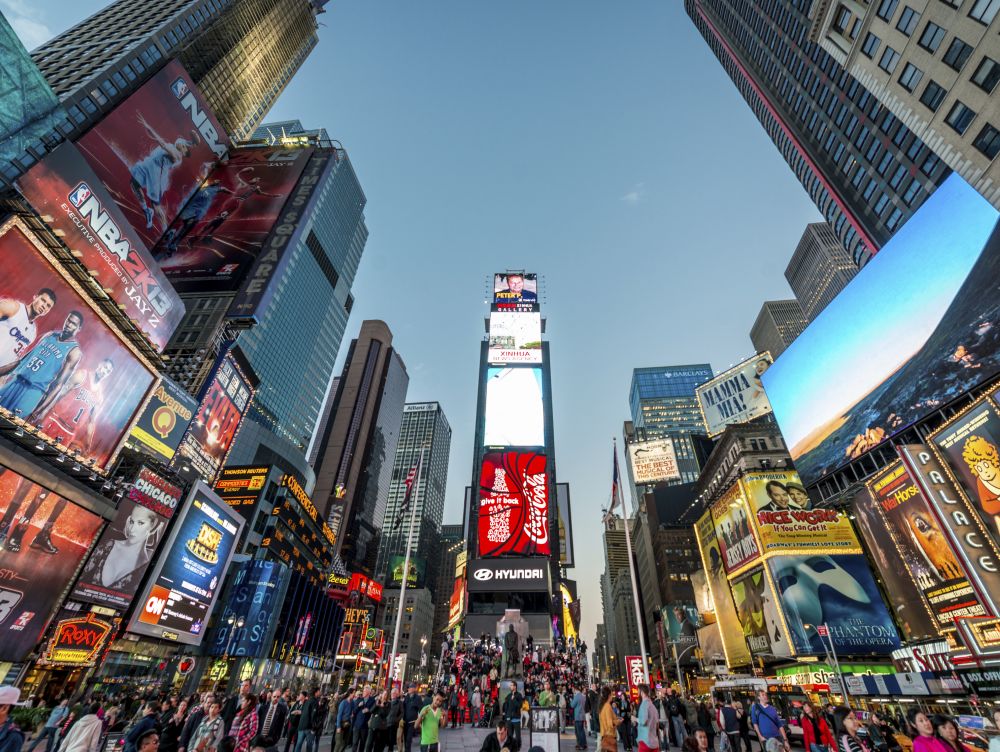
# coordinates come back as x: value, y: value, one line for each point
x: 825, y: 631
x: 677, y: 661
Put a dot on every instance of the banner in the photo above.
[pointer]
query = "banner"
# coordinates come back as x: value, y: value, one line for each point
x: 837, y: 591
x: 417, y: 571
x: 635, y: 672
x: 735, y: 396
x: 725, y: 611
x: 733, y: 527
x: 653, y: 461
x: 154, y: 149
x: 757, y: 611
x: 72, y: 200
x: 257, y: 590
x: 163, y: 421
x: 67, y: 369
x: 514, y: 504
x: 45, y: 537
x: 682, y: 621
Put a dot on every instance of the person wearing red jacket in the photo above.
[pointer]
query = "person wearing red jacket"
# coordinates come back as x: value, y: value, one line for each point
x: 816, y: 736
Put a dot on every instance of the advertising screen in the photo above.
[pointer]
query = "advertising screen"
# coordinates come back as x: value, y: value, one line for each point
x: 653, y: 461
x: 736, y: 396
x: 515, y: 414
x: 514, y: 504
x: 786, y: 520
x: 919, y: 542
x: 241, y: 486
x: 515, y: 291
x: 758, y: 614
x: 725, y: 611
x: 909, y: 334
x: 45, y: 537
x: 737, y: 541
x: 258, y: 588
x: 418, y: 571
x: 163, y: 421
x: 185, y: 582
x: 210, y: 436
x: 515, y: 337
x: 66, y: 368
x: 838, y: 591
x: 118, y: 562
x: 224, y: 225
x: 681, y: 620
x: 154, y: 149
x: 66, y: 192
x: 567, y: 556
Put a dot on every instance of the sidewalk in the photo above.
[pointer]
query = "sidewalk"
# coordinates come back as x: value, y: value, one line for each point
x: 471, y: 739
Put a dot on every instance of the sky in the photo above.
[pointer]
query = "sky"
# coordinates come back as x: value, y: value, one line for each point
x: 598, y: 144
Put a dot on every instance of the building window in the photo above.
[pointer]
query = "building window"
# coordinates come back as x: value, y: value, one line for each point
x: 984, y: 11
x: 880, y: 205
x: 842, y: 20
x: 889, y: 59
x: 894, y: 218
x: 885, y: 164
x: 930, y: 164
x: 870, y: 46
x: 957, y: 54
x: 910, y: 77
x: 911, y: 192
x: 988, y: 141
x: 898, y: 176
x: 887, y: 8
x: 908, y: 20
x: 932, y: 37
x: 960, y: 118
x: 987, y: 75
x: 933, y: 96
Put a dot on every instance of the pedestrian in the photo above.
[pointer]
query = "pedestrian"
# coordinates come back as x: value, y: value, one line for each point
x: 359, y: 723
x: 697, y: 741
x: 646, y: 731
x: 50, y: 731
x: 625, y: 731
x: 744, y: 718
x: 272, y: 717
x: 245, y: 723
x: 211, y: 731
x: 609, y: 722
x: 411, y: 709
x: 430, y: 720
x: 705, y: 723
x: 512, y: 712
x: 173, y: 727
x: 579, y: 707
x: 816, y: 734
x: 849, y: 741
x: 84, y: 735
x: 594, y: 710
x: 923, y: 739
x: 499, y: 740
x: 676, y: 710
x: 729, y: 727
x: 768, y: 725
x: 378, y: 724
x: 453, y: 706
x: 11, y: 736
x: 345, y: 714
x: 234, y: 703
x: 477, y: 705
x: 148, y: 721
x: 194, y: 718
x: 148, y: 741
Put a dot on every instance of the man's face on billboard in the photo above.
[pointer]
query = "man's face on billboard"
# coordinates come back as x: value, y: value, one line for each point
x: 41, y: 304
x: 515, y: 283
x: 778, y: 494
x: 71, y: 325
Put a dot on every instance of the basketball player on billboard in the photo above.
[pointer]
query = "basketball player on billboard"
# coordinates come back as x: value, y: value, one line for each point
x: 190, y: 216
x: 70, y: 416
x: 245, y: 189
x: 17, y: 324
x: 14, y: 525
x: 43, y: 370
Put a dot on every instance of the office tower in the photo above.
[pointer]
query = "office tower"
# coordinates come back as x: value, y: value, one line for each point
x: 616, y: 594
x: 866, y: 171
x: 358, y: 448
x: 424, y: 426
x: 241, y: 53
x: 934, y: 65
x: 415, y: 630
x: 663, y: 405
x: 820, y: 268
x: 778, y: 324
x: 441, y: 577
x: 324, y: 418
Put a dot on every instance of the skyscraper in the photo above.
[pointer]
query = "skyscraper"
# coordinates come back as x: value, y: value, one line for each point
x: 820, y: 268
x: 866, y: 171
x: 663, y: 405
x: 778, y: 324
x: 424, y: 425
x: 241, y: 53
x: 358, y: 447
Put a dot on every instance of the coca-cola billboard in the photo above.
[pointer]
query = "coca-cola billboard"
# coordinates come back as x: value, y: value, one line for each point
x: 514, y: 504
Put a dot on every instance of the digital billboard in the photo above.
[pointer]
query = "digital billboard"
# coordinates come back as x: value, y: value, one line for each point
x: 163, y: 421
x: 241, y: 486
x: 725, y: 611
x: 72, y: 200
x: 564, y: 520
x: 118, y: 562
x: 222, y: 229
x: 514, y: 504
x: 916, y: 537
x: 248, y: 617
x: 653, y: 461
x: 515, y: 291
x: 911, y: 332
x: 757, y: 610
x: 734, y: 396
x: 681, y: 621
x: 66, y: 367
x: 417, y: 572
x: 515, y: 411
x: 515, y: 338
x: 737, y: 542
x: 837, y: 591
x: 185, y: 581
x: 45, y: 537
x: 154, y: 149
x: 210, y: 436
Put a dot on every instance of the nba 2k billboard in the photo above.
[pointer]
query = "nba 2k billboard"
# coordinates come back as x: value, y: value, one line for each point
x: 224, y: 225
x: 514, y: 504
x: 155, y: 149
x: 62, y: 365
x: 45, y: 537
x: 66, y: 192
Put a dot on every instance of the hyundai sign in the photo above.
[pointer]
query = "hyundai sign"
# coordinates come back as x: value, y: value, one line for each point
x: 520, y: 574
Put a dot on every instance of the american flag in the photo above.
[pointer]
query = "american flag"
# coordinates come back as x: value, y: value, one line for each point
x: 615, y: 486
x: 408, y: 496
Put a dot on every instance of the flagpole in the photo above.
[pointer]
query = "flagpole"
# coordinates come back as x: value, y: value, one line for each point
x: 631, y: 571
x: 390, y: 666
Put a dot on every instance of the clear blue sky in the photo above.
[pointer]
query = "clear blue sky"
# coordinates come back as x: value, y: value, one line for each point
x: 599, y: 144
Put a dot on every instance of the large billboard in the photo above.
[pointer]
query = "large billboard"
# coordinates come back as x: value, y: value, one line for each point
x: 515, y: 337
x: 65, y: 367
x: 416, y: 576
x: 564, y: 521
x: 118, y: 562
x: 911, y: 333
x: 757, y: 611
x: 45, y: 537
x: 249, y: 616
x: 72, y: 200
x: 515, y: 291
x: 223, y: 227
x: 734, y: 396
x: 653, y: 461
x: 514, y: 504
x: 515, y: 410
x: 186, y: 579
x: 725, y: 611
x: 736, y: 539
x: 839, y: 592
x: 242, y: 486
x: 681, y: 621
x: 210, y: 436
x: 163, y: 421
x: 154, y: 149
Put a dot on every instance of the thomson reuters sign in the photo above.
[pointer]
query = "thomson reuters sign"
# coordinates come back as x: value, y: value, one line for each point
x: 508, y: 574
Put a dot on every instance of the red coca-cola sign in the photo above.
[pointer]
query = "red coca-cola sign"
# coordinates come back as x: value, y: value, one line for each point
x: 78, y: 641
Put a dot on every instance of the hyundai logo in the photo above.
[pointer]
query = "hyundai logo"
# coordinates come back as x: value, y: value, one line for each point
x: 483, y: 575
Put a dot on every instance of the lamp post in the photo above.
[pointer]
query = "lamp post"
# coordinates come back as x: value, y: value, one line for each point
x: 677, y: 661
x: 824, y: 631
x: 234, y: 624
x: 423, y: 654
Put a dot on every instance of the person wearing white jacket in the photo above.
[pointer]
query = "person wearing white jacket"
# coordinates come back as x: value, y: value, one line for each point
x: 85, y: 734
